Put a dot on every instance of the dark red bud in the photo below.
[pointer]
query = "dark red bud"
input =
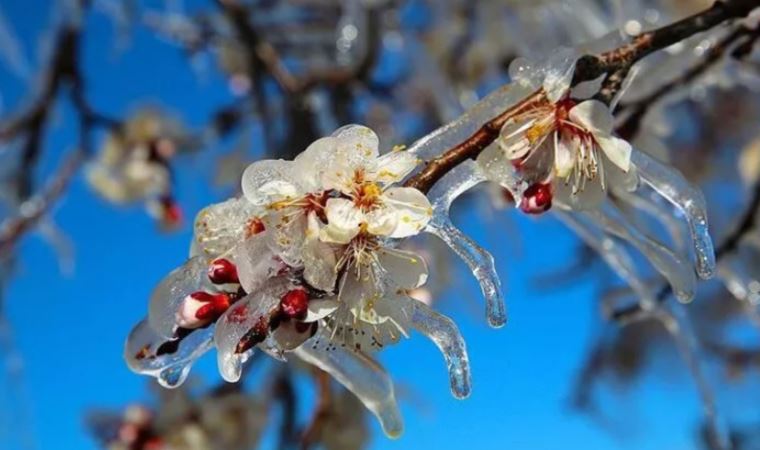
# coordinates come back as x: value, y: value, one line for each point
x: 295, y: 303
x: 222, y: 271
x: 537, y: 198
x: 217, y: 304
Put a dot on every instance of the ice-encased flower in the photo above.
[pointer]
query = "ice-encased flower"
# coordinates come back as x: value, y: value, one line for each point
x: 370, y: 203
x: 568, y: 143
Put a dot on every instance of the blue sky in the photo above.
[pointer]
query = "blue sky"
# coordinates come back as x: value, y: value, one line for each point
x: 69, y: 328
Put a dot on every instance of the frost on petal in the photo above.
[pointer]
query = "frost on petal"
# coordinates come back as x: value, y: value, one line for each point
x: 276, y: 177
x: 360, y: 375
x: 310, y: 163
x: 678, y: 273
x: 242, y: 327
x: 221, y: 226
x: 286, y: 230
x: 255, y: 262
x: 617, y: 150
x: 445, y: 334
x: 406, y: 269
x: 412, y: 208
x: 669, y: 183
x: 558, y: 73
x: 167, y: 297
x: 356, y: 143
x: 343, y: 220
x: 392, y: 167
x: 169, y: 361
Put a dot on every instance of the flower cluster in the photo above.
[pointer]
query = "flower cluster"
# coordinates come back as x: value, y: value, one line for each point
x: 305, y: 262
x: 134, y: 165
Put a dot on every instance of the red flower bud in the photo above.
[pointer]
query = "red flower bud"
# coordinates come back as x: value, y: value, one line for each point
x: 294, y: 303
x: 222, y: 271
x: 537, y: 198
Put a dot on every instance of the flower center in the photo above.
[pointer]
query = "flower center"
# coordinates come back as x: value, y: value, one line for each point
x: 367, y: 195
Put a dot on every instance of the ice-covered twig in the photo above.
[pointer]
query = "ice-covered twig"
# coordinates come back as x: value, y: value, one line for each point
x: 635, y: 111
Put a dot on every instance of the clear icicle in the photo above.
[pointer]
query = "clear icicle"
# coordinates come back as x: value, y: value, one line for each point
x: 689, y: 199
x: 445, y: 334
x: 360, y: 374
x: 480, y: 262
x: 171, y: 368
x: 677, y: 271
x: 615, y: 255
x: 676, y: 320
x: 642, y: 200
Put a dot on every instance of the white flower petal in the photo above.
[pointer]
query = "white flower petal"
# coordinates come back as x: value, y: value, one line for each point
x: 412, y: 208
x: 392, y: 167
x: 357, y: 141
x: 382, y: 221
x: 405, y: 269
x: 221, y: 226
x: 320, y: 262
x: 310, y: 163
x: 593, y: 115
x: 617, y: 150
x: 277, y: 175
x: 564, y: 156
x: 359, y: 291
x: 319, y: 308
x: 343, y: 220
x: 513, y: 137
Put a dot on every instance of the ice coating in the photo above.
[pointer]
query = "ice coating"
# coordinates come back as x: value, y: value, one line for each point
x: 675, y: 269
x: 445, y: 334
x: 171, y: 291
x: 644, y: 201
x: 669, y: 183
x: 171, y: 367
x: 463, y: 127
x: 219, y: 227
x: 615, y: 255
x: 360, y: 374
x: 478, y: 260
x: 255, y: 262
x: 252, y: 312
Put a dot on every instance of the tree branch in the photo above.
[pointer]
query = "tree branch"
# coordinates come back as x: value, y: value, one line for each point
x: 587, y: 68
